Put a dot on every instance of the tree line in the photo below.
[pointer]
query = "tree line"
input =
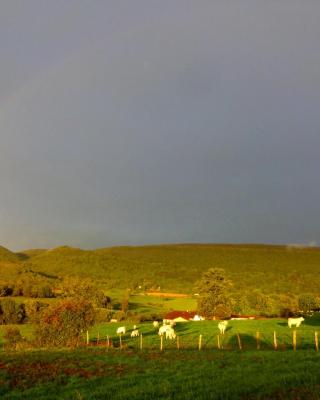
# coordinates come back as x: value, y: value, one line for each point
x: 218, y: 300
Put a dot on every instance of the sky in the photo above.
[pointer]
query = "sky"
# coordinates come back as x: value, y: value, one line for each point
x: 168, y: 121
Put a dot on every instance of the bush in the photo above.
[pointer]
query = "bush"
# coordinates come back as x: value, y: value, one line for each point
x: 63, y: 324
x: 5, y: 290
x: 13, y: 337
x: 308, y: 302
x: 145, y: 317
x: 34, y: 308
x: 119, y: 315
x: 11, y: 312
x: 103, y: 315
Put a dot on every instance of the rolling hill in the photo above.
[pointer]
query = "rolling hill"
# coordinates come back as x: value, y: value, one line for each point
x: 273, y: 269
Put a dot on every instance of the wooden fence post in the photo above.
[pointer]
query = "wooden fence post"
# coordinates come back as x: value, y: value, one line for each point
x: 316, y: 340
x: 258, y: 340
x: 87, y: 338
x: 239, y: 341
x: 294, y: 340
x: 200, y: 342
x: 120, y: 341
x: 218, y: 341
x: 108, y: 342
x: 141, y: 341
x: 275, y: 343
x: 161, y: 342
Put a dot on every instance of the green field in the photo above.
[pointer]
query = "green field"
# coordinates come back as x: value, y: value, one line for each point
x: 189, y: 332
x: 96, y: 374
x: 100, y: 372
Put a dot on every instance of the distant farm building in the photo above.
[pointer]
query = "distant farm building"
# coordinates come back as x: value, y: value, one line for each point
x: 182, y: 316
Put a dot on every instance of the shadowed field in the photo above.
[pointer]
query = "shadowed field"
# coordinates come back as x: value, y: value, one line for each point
x: 95, y: 373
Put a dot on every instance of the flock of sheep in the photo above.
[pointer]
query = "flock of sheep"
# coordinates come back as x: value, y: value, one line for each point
x: 167, y: 329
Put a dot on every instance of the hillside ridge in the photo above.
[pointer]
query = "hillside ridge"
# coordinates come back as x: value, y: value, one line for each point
x: 176, y: 267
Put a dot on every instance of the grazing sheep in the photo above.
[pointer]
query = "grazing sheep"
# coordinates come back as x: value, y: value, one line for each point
x: 121, y: 330
x: 168, y: 330
x: 295, y: 321
x: 135, y: 333
x: 163, y: 329
x: 170, y: 334
x: 222, y: 326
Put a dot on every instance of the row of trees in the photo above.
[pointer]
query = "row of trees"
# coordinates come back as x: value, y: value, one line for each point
x: 34, y: 287
x: 27, y: 289
x: 217, y: 299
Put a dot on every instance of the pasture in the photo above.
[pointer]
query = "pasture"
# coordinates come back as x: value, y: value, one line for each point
x: 94, y: 373
x: 189, y: 332
x: 100, y: 372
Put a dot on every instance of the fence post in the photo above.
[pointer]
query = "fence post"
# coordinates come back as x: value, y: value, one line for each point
x: 218, y: 341
x: 108, y: 341
x: 316, y: 340
x: 141, y: 341
x: 294, y: 340
x: 200, y: 342
x: 239, y: 341
x: 87, y: 338
x: 258, y: 340
x: 161, y: 342
x: 275, y: 343
x: 120, y: 341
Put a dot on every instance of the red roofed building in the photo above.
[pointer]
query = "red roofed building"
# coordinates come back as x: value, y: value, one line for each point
x: 179, y: 316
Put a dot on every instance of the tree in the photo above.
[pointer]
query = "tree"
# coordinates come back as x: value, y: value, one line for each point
x: 11, y: 312
x: 213, y: 289
x: 260, y: 302
x: 125, y: 301
x: 63, y: 324
x: 308, y: 302
x: 85, y: 288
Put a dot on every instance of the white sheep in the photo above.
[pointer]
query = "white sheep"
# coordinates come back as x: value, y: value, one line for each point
x: 222, y: 326
x: 121, y: 330
x: 295, y: 321
x: 135, y: 333
x: 170, y: 334
x: 163, y: 329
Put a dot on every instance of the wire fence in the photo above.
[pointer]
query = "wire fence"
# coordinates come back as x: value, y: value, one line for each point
x: 239, y: 341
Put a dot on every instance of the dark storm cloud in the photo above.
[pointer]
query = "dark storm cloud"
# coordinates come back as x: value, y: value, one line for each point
x: 141, y: 122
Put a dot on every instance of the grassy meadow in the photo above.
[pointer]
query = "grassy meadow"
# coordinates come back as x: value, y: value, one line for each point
x: 189, y: 332
x: 100, y: 372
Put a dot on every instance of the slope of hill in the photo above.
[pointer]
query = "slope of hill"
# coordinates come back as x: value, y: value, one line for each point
x: 8, y: 256
x: 178, y: 267
x: 10, y: 265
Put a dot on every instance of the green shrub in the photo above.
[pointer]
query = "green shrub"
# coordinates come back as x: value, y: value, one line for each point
x: 63, y: 324
x: 34, y: 309
x: 119, y: 315
x: 11, y: 312
x: 103, y: 314
x: 12, y: 336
